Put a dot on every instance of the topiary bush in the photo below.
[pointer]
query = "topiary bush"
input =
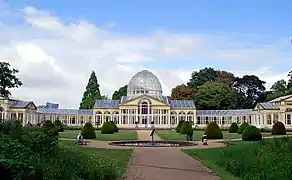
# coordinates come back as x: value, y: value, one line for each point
x: 186, y: 127
x: 242, y: 127
x: 251, y: 133
x: 88, y: 131
x: 107, y: 128
x: 180, y: 123
x: 233, y: 128
x: 115, y: 127
x: 279, y: 129
x: 213, y: 131
x: 59, y: 126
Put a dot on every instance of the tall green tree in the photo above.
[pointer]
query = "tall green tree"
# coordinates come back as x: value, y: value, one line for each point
x: 213, y: 95
x: 198, y: 78
x: 280, y: 86
x: 249, y: 88
x: 117, y: 95
x: 183, y: 92
x: 91, y: 94
x: 289, y: 86
x: 209, y: 74
x: 8, y: 79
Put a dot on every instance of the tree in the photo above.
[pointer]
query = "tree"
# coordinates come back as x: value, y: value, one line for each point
x: 248, y: 88
x: 183, y: 92
x: 280, y: 86
x: 105, y: 97
x: 91, y: 93
x: 225, y: 77
x: 207, y: 74
x: 289, y: 86
x: 210, y: 75
x: 119, y: 93
x: 8, y: 79
x: 215, y: 96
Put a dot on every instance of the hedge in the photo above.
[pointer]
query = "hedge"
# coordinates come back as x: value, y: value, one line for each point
x: 279, y: 129
x: 88, y: 131
x: 242, y: 127
x: 233, y: 128
x: 213, y: 131
x: 251, y: 133
x: 186, y: 127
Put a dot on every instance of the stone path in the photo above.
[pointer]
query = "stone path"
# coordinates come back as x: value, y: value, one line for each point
x: 164, y: 164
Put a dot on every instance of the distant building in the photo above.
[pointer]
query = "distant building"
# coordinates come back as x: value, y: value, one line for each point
x: 145, y: 106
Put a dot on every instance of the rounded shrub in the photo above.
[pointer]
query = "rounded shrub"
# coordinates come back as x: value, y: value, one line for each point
x: 251, y: 133
x: 279, y: 129
x: 49, y: 127
x: 213, y: 131
x: 107, y: 128
x: 88, y: 131
x: 180, y: 123
x: 242, y: 127
x: 186, y: 127
x: 115, y: 127
x: 233, y: 128
x: 59, y: 126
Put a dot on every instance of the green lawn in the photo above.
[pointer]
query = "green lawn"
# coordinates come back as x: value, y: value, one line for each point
x: 172, y: 135
x: 121, y: 157
x: 254, y: 159
x: 121, y: 135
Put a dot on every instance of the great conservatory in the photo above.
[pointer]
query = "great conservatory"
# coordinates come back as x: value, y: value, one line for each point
x: 145, y: 106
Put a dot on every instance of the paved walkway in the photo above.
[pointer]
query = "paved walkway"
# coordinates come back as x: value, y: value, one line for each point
x: 144, y: 135
x: 164, y: 164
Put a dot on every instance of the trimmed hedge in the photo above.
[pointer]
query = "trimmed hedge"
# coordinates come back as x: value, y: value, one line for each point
x: 59, y: 126
x: 242, y: 127
x: 251, y: 133
x: 213, y: 131
x: 107, y: 128
x: 279, y: 129
x: 88, y: 131
x: 115, y: 127
x: 177, y: 129
x: 233, y: 128
x: 186, y: 127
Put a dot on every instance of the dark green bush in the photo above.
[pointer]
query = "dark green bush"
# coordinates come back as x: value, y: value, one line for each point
x: 186, y: 127
x: 107, y: 128
x: 59, y: 126
x: 213, y: 131
x: 233, y: 128
x: 279, y: 129
x: 49, y: 127
x: 251, y: 133
x: 116, y: 129
x: 242, y: 127
x: 23, y: 159
x: 88, y: 131
x: 177, y: 129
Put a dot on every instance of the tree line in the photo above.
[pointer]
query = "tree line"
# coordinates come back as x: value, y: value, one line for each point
x: 209, y: 88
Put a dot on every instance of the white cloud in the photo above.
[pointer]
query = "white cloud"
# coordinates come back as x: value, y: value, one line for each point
x: 55, y: 58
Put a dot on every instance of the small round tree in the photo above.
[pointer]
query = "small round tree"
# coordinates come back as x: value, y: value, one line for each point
x: 107, y: 128
x: 233, y: 128
x: 251, y: 133
x: 242, y: 127
x: 180, y: 123
x: 59, y: 126
x: 186, y: 127
x: 279, y: 129
x: 115, y: 127
x: 49, y: 127
x: 88, y: 131
x: 213, y: 131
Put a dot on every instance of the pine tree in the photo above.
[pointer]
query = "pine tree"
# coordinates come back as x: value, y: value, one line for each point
x: 91, y: 93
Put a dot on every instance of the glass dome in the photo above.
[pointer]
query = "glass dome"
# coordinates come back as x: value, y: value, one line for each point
x: 144, y: 82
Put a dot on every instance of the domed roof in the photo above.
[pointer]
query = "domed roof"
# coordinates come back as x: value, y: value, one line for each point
x: 144, y: 82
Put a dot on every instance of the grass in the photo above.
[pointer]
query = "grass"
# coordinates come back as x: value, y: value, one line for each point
x: 121, y: 135
x: 268, y: 159
x: 121, y: 157
x: 172, y: 135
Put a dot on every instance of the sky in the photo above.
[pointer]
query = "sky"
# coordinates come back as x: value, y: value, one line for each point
x: 57, y: 44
